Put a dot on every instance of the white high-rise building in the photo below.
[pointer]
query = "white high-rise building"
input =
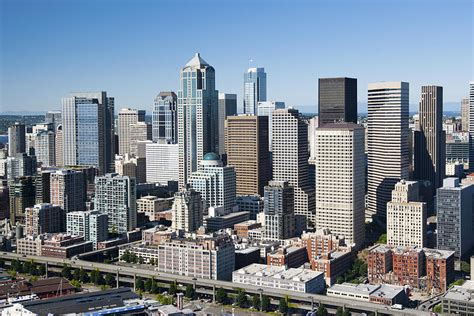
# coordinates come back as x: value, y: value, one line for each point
x: 290, y: 159
x: 198, y: 129
x: 388, y: 152
x: 406, y: 216
x: 255, y: 89
x: 471, y: 126
x: 115, y: 195
x: 266, y: 108
x: 162, y: 163
x: 126, y: 118
x: 92, y: 225
x: 187, y: 210
x: 216, y: 184
x: 45, y: 148
x: 340, y: 181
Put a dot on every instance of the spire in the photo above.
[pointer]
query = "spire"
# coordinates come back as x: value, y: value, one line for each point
x: 196, y: 61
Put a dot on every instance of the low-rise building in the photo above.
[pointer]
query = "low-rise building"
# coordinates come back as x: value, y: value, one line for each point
x: 206, y: 257
x: 459, y: 300
x: 242, y: 229
x: 64, y: 246
x: 157, y: 235
x: 29, y: 245
x: 216, y: 223
x: 246, y: 256
x: 250, y: 203
x: 152, y: 206
x: 333, y: 264
x: 279, y: 277
x: 288, y: 256
x: 379, y: 294
x: 439, y: 269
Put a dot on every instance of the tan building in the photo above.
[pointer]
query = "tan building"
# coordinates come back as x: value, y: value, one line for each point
x: 465, y: 114
x: 29, y: 246
x: 247, y: 150
x: 126, y: 117
x: 152, y: 206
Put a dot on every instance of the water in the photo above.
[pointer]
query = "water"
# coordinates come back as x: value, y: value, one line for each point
x: 4, y: 139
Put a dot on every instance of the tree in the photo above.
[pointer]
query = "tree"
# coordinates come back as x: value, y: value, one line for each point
x: 16, y: 265
x: 265, y: 303
x: 339, y: 311
x: 465, y: 267
x: 96, y: 277
x: 241, y: 298
x: 83, y: 276
x: 256, y: 302
x: 34, y: 270
x: 141, y: 260
x: 173, y: 288
x: 382, y: 239
x: 139, y: 284
x: 76, y: 283
x: 126, y: 256
x: 2, y: 263
x: 346, y: 313
x: 363, y: 269
x: 77, y: 274
x: 66, y: 272
x: 152, y: 261
x: 110, y: 280
x: 26, y: 267
x: 42, y: 269
x: 438, y: 309
x: 155, y: 289
x: 189, y: 291
x: 322, y: 311
x: 283, y: 306
x: 221, y: 295
x: 148, y: 285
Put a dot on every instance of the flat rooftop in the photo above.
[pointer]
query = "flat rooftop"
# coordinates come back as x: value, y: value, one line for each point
x: 381, y: 290
x: 463, y: 293
x: 279, y: 272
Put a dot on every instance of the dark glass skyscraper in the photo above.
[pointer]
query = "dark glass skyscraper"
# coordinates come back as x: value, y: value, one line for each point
x: 430, y: 139
x: 165, y: 118
x: 337, y: 100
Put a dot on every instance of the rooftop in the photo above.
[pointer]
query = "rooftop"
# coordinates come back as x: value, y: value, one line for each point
x: 380, y: 290
x: 464, y: 292
x: 196, y: 61
x: 279, y: 272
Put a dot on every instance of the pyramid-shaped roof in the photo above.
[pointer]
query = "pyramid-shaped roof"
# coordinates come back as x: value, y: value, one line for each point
x: 196, y: 61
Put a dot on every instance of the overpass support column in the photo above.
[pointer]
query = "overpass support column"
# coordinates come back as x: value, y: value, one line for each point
x: 117, y: 279
x: 213, y: 293
x: 312, y: 303
x: 46, y: 268
x: 134, y: 282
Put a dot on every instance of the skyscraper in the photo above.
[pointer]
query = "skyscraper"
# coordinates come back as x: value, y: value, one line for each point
x: 198, y: 132
x: 21, y: 165
x: 255, y: 89
x: 227, y: 108
x: 44, y: 218
x: 161, y: 163
x: 216, y: 184
x: 68, y: 190
x: 387, y: 142
x: 16, y: 139
x: 88, y: 130
x: 337, y: 100
x: 139, y: 131
x: 279, y: 211
x: 58, y: 144
x: 340, y: 181
x: 455, y: 228
x: 126, y: 118
x: 430, y: 139
x: 115, y: 195
x: 266, y: 108
x: 290, y: 159
x: 247, y: 151
x: 92, y: 225
x: 165, y: 118
x: 54, y: 118
x: 187, y: 210
x: 471, y: 126
x: 45, y: 148
x: 465, y: 114
x: 21, y: 195
x: 406, y: 216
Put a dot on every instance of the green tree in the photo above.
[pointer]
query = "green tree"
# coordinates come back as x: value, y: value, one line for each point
x: 256, y: 302
x: 42, y: 269
x: 346, y: 313
x: 339, y: 311
x: 465, y: 267
x: 66, y: 272
x: 438, y: 309
x: 2, y: 263
x: 322, y: 311
x: 95, y: 276
x: 16, y: 265
x: 283, y: 306
x: 152, y: 261
x: 382, y: 239
x: 139, y: 284
x: 27, y: 267
x: 221, y: 296
x: 126, y: 256
x: 165, y: 299
x: 76, y: 283
x: 34, y: 270
x: 155, y: 289
x: 141, y: 260
x: 241, y: 299
x: 110, y: 280
x: 83, y: 276
x: 77, y: 274
x: 173, y: 288
x: 265, y: 303
x: 148, y: 285
x: 189, y: 291
x: 363, y: 269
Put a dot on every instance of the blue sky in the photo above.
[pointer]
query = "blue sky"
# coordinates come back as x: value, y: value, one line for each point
x: 134, y: 49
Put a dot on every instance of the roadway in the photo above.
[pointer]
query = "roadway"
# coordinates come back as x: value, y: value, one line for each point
x: 312, y: 300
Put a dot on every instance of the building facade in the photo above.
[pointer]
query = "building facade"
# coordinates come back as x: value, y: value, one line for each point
x: 43, y: 218
x: 227, y: 107
x: 68, y: 190
x: 16, y: 139
x: 92, y: 225
x: 255, y: 89
x: 290, y: 159
x: 340, y: 180
x: 162, y: 162
x: 126, y: 118
x: 116, y: 196
x: 187, y: 211
x: 387, y: 143
x: 45, y: 148
x: 337, y: 100
x: 248, y: 152
x: 266, y: 108
x: 279, y: 211
x: 165, y: 118
x: 198, y: 129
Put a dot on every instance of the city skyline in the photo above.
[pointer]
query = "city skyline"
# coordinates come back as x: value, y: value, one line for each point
x: 137, y: 63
